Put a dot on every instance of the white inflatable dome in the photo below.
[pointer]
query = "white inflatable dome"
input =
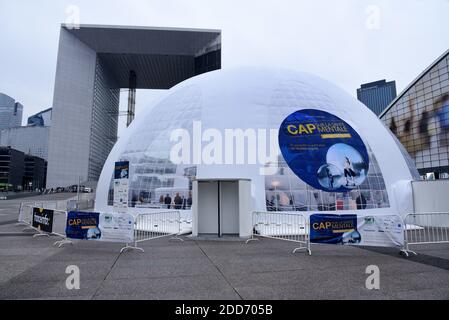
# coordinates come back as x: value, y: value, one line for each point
x: 254, y: 99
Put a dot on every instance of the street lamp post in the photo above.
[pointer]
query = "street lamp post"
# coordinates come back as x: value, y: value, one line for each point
x: 78, y: 192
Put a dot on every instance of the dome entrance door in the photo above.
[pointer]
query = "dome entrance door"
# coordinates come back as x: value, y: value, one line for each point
x: 220, y: 208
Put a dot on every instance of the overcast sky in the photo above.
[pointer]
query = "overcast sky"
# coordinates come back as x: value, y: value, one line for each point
x: 348, y: 42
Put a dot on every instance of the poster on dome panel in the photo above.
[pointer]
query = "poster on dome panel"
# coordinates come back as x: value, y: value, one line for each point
x: 351, y: 229
x: 323, y: 150
x: 121, y: 170
x: 121, y: 187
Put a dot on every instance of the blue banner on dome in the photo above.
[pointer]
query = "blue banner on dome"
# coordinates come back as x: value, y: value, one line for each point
x: 323, y: 150
x: 334, y: 229
x: 121, y: 170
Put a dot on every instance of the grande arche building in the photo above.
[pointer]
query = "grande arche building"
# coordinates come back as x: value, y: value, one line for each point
x: 94, y: 63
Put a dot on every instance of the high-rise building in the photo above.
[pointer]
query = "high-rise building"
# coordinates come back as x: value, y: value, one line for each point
x: 419, y: 117
x: 94, y: 63
x: 41, y: 119
x: 12, y: 168
x: 377, y: 95
x: 34, y: 175
x: 30, y: 140
x: 19, y: 171
x: 10, y: 112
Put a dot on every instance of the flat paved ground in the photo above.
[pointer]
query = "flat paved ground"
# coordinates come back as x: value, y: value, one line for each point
x: 34, y: 269
x: 9, y: 209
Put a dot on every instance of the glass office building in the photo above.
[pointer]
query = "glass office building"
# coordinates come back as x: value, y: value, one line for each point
x: 41, y: 119
x: 419, y: 117
x: 30, y: 140
x: 377, y: 95
x: 10, y: 112
x: 11, y: 168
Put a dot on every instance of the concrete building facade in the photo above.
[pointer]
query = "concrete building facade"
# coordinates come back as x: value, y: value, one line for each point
x: 34, y: 176
x: 20, y: 171
x: 94, y: 63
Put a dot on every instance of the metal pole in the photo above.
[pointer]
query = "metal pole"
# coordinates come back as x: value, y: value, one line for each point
x: 219, y: 210
x: 131, y: 97
x: 78, y: 192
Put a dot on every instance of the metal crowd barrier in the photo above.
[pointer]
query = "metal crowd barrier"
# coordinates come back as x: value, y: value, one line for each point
x: 292, y: 227
x: 26, y: 209
x: 147, y: 226
x: 81, y: 204
x: 154, y: 225
x: 59, y: 220
x: 59, y: 225
x: 419, y: 229
x: 26, y: 215
x: 62, y: 205
x: 426, y: 228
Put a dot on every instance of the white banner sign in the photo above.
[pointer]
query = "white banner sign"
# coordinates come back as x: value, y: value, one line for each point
x: 116, y: 227
x: 121, y: 187
x: 352, y: 229
x: 121, y: 194
x: 381, y: 231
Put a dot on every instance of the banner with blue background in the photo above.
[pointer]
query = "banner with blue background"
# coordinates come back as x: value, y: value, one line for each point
x: 334, y: 229
x: 323, y: 150
x: 83, y: 225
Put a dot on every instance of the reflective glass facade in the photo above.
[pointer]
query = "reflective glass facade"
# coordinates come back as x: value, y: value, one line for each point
x: 30, y: 140
x: 377, y: 95
x: 10, y: 112
x: 104, y: 122
x: 419, y: 118
x: 41, y: 119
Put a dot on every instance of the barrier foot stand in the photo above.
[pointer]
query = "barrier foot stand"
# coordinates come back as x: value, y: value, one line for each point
x: 62, y: 242
x: 406, y: 252
x: 309, y: 251
x: 128, y: 247
x: 38, y: 235
x: 251, y: 239
x: 176, y: 238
